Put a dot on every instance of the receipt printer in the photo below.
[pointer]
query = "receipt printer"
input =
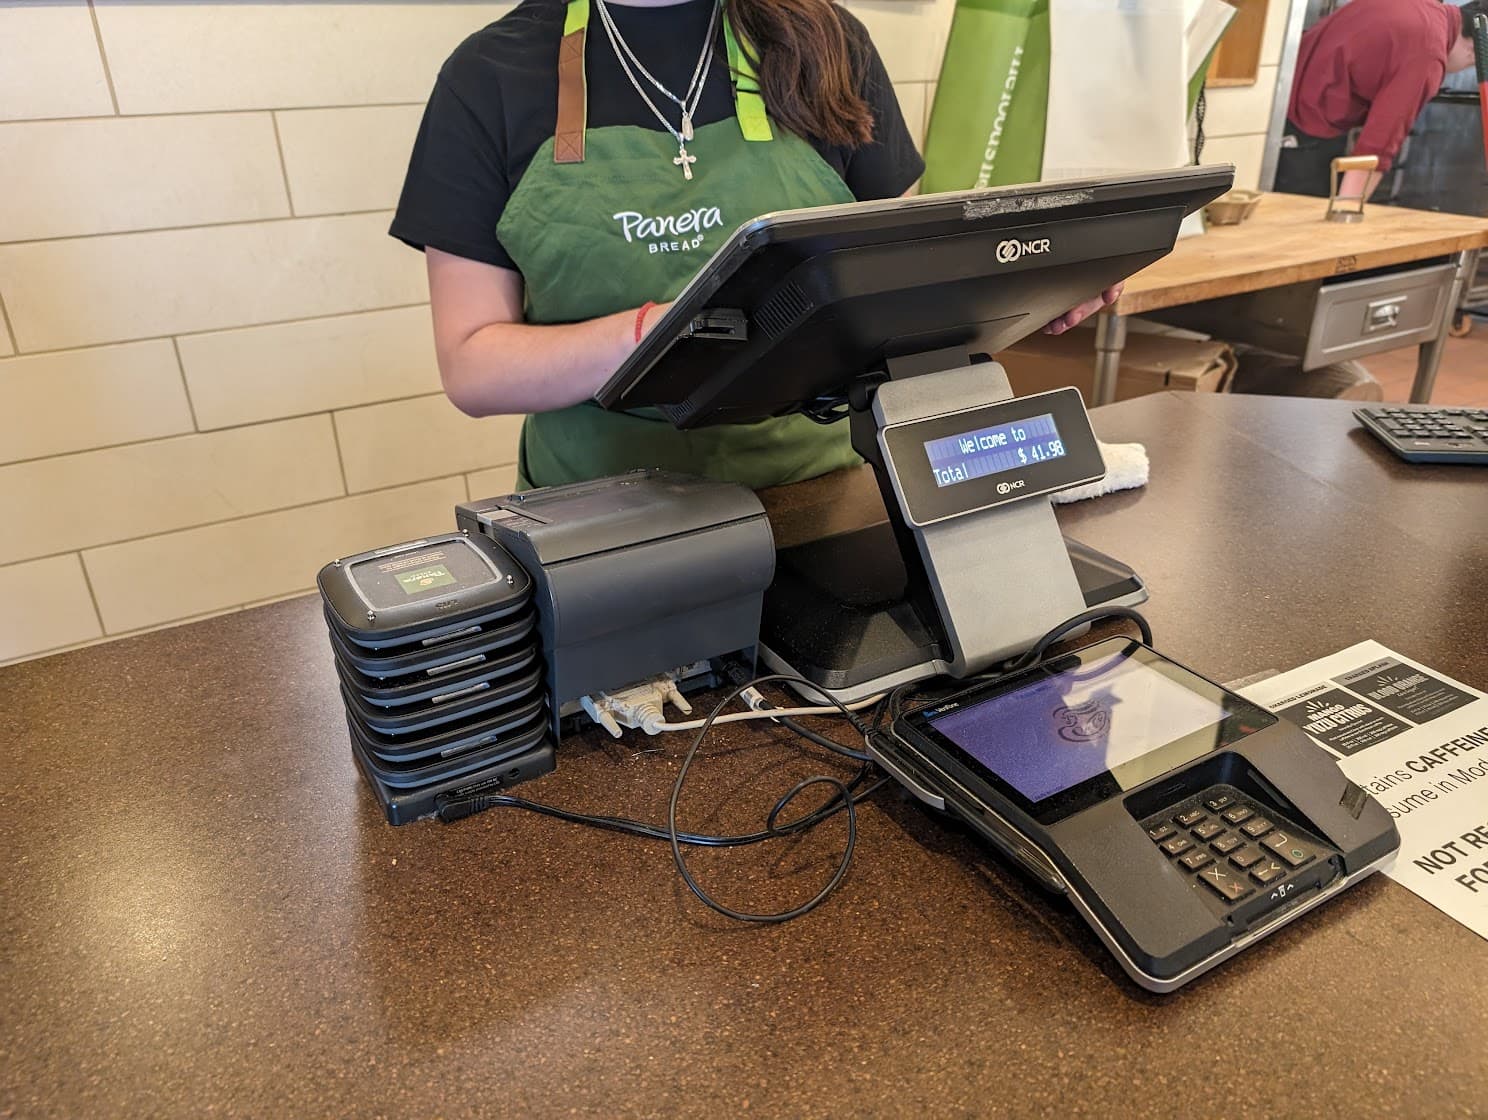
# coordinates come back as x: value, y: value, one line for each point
x: 635, y: 575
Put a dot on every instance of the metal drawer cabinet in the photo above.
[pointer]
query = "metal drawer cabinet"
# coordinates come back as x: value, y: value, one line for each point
x: 1326, y: 321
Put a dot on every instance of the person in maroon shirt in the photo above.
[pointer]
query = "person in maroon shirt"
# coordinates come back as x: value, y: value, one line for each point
x: 1371, y: 65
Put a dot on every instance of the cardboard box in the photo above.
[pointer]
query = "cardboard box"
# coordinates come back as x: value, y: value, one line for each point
x: 1150, y: 363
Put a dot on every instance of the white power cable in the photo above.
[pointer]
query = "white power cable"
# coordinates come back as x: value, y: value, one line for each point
x: 771, y: 713
x: 643, y: 705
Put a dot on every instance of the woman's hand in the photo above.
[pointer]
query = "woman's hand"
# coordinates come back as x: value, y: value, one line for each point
x: 1077, y: 315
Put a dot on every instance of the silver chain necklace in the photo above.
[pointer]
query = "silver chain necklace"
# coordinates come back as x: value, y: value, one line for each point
x: 684, y: 135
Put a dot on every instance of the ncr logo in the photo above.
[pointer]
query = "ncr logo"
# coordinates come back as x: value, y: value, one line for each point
x: 1013, y: 250
x: 1009, y: 487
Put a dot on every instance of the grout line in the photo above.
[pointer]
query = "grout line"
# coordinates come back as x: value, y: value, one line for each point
x: 200, y: 225
x: 241, y: 517
x: 185, y: 388
x: 92, y: 595
x: 213, y: 431
x: 219, y: 330
x: 108, y: 74
x: 220, y: 112
x: 283, y: 164
x: 9, y: 330
x: 154, y: 628
x: 340, y: 459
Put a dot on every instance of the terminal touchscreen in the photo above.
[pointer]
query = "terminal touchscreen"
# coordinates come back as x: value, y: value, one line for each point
x: 1182, y: 820
x: 1083, y: 729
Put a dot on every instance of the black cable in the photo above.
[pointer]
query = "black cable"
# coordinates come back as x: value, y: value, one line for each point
x: 844, y: 794
x: 454, y: 809
x: 1099, y: 614
x: 1200, y: 107
x: 822, y: 741
x: 846, y: 797
x: 826, y: 410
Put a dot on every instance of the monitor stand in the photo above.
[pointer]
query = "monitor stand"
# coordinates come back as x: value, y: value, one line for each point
x: 854, y: 613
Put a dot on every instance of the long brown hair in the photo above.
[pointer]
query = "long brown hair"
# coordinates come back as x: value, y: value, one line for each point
x: 810, y: 66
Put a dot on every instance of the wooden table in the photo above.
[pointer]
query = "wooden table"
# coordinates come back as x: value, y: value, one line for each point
x: 204, y: 912
x: 1286, y: 241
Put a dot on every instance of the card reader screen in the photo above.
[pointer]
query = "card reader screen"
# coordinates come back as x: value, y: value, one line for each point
x: 1003, y: 447
x: 1103, y: 716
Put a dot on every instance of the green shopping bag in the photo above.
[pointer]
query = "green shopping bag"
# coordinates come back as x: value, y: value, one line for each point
x: 987, y: 125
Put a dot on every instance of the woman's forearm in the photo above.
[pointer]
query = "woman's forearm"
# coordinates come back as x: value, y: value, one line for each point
x: 518, y: 367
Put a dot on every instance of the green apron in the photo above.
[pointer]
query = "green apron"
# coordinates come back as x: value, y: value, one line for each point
x: 604, y: 220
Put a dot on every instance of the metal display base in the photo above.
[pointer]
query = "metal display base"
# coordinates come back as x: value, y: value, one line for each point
x: 839, y: 613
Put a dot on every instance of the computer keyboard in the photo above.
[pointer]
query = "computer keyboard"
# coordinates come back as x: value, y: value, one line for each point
x: 1430, y: 433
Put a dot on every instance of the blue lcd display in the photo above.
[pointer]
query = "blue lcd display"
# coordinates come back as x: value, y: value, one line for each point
x: 987, y: 451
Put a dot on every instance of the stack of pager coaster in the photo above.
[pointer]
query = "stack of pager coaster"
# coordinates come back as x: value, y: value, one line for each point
x: 436, y: 646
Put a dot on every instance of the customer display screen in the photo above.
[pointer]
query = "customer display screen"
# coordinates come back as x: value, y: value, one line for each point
x: 1003, y: 447
x: 969, y: 460
x: 1107, y: 719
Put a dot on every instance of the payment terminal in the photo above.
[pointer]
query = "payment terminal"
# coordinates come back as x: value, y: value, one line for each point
x: 1183, y: 821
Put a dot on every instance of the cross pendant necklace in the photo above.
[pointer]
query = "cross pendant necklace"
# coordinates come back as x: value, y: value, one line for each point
x: 688, y: 103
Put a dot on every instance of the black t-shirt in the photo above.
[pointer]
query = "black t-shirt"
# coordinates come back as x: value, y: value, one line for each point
x: 496, y: 102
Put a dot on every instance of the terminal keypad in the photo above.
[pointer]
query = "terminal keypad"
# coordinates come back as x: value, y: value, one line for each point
x: 1430, y: 434
x: 1229, y: 848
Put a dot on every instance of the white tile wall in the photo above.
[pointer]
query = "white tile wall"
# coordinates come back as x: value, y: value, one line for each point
x: 281, y: 54
x: 911, y: 97
x: 1241, y: 110
x: 1277, y: 13
x: 340, y: 160
x: 73, y: 501
x: 1245, y: 152
x: 50, y: 65
x: 85, y: 291
x: 80, y: 399
x: 492, y: 483
x: 113, y: 174
x: 236, y: 215
x: 140, y: 583
x: 254, y: 374
x: 45, y: 605
x: 388, y: 444
x: 910, y: 34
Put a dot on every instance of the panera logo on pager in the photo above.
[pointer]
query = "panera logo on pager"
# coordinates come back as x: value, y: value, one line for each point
x: 1013, y: 250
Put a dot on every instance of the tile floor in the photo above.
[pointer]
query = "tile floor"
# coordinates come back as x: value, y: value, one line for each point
x: 1462, y: 379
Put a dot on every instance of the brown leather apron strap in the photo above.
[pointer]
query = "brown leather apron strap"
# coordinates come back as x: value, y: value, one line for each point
x: 573, y: 108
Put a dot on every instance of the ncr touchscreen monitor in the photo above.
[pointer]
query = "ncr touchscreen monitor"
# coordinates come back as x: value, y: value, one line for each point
x: 1088, y: 726
x: 797, y: 305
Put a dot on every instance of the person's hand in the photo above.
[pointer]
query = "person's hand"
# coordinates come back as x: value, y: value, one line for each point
x: 1077, y: 315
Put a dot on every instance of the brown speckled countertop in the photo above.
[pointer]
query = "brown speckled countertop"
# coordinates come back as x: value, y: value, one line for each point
x: 204, y: 912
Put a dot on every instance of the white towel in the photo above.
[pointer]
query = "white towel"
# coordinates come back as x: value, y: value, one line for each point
x: 1126, y: 468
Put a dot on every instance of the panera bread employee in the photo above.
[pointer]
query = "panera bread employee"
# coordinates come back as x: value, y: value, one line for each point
x: 578, y: 160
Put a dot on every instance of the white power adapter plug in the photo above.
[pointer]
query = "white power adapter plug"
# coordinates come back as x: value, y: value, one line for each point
x: 641, y: 705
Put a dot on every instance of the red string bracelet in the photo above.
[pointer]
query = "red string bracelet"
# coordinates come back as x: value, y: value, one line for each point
x: 640, y: 331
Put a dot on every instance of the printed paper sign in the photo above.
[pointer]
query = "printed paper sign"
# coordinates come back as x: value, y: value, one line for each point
x: 1417, y: 742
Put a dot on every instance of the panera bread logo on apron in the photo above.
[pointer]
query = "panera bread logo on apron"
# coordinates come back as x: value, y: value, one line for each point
x: 670, y: 233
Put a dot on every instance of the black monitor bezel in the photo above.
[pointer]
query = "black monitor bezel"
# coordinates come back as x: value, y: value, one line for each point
x: 817, y: 232
x: 1245, y: 718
